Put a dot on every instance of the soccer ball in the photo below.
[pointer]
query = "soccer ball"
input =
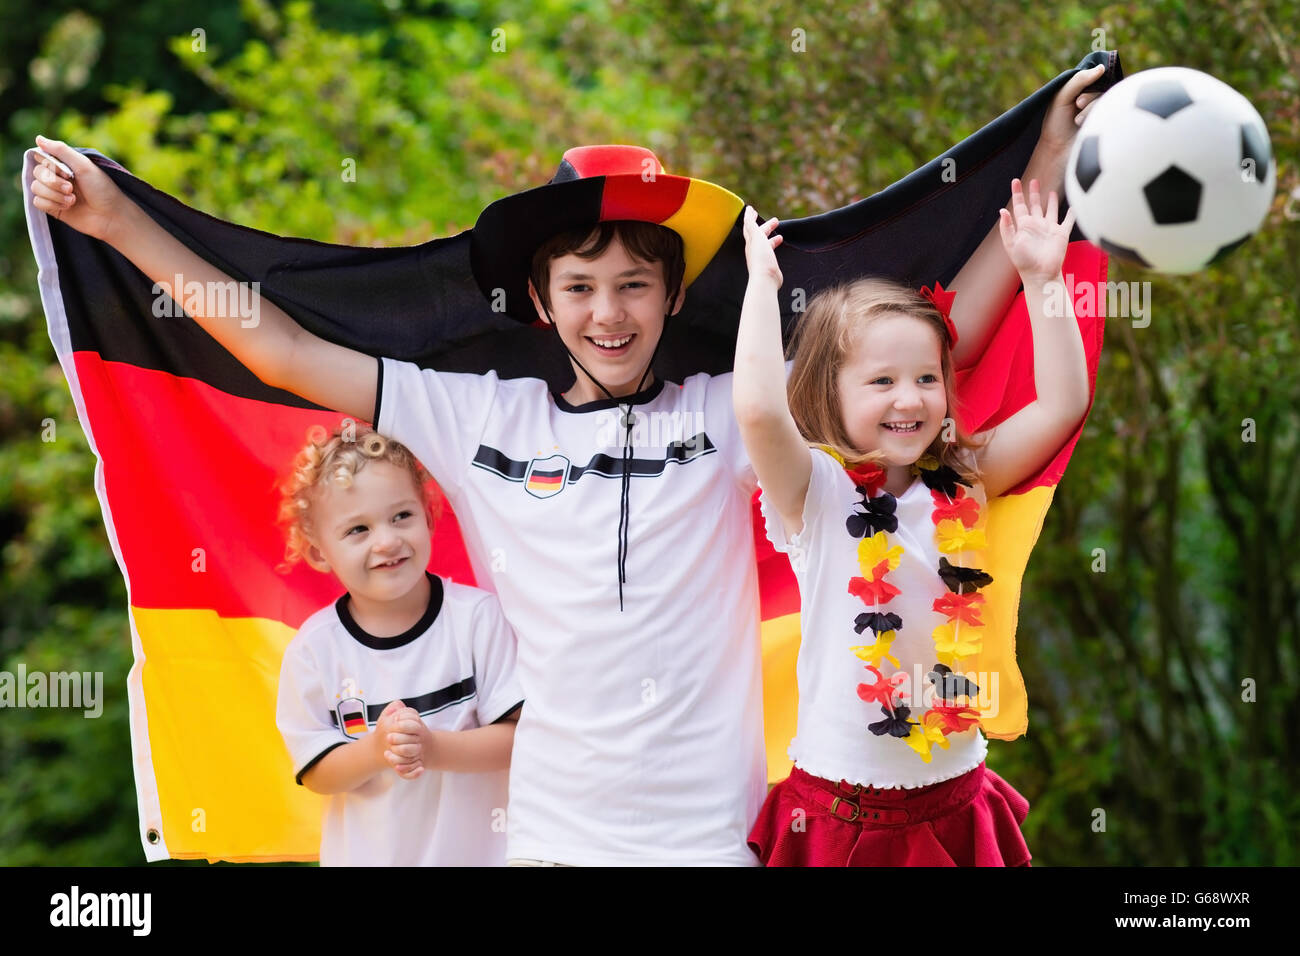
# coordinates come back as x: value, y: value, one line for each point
x: 1171, y: 170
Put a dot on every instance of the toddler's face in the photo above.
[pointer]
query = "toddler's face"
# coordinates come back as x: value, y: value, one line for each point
x: 373, y: 536
x: 892, y: 390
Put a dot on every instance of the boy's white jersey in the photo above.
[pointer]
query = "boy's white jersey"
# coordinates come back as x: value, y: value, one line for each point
x: 642, y: 738
x: 456, y: 666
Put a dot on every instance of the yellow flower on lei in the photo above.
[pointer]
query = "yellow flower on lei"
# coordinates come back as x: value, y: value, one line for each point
x: 877, y: 650
x: 951, y: 644
x: 923, y: 737
x: 873, y: 550
x: 955, y: 537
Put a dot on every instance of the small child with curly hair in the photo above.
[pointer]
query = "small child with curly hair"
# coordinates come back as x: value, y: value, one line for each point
x: 399, y: 700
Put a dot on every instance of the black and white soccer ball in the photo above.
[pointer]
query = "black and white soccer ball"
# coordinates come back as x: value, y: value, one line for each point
x: 1172, y: 169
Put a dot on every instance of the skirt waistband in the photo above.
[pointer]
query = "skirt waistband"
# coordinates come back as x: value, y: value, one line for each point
x: 872, y: 806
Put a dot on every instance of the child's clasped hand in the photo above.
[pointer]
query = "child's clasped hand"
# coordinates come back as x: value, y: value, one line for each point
x: 406, y: 741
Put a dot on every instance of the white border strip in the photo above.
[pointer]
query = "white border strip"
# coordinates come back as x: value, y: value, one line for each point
x: 146, y: 784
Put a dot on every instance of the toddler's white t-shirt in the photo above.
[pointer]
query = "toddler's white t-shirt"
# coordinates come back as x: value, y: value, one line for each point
x: 456, y: 666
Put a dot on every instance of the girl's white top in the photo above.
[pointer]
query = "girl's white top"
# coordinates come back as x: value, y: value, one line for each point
x: 832, y: 739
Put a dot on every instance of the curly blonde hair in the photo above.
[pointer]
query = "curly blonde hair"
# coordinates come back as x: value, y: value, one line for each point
x: 335, y: 458
x: 820, y: 347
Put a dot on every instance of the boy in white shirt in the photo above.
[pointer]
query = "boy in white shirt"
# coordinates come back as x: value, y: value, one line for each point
x: 638, y: 626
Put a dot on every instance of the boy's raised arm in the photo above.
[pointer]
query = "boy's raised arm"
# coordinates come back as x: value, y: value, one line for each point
x: 988, y: 281
x: 274, y: 348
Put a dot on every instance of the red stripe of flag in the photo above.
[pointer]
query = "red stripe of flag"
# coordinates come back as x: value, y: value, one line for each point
x: 150, y: 427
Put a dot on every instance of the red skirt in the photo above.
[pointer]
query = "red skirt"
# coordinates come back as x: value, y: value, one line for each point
x: 970, y: 820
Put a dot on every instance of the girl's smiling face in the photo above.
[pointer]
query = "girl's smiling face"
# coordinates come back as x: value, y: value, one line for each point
x: 891, y: 388
x: 374, y: 536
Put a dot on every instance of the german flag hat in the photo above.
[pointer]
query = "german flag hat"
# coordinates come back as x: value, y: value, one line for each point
x: 596, y: 184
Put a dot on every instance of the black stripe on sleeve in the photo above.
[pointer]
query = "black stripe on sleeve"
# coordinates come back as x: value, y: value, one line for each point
x: 379, y: 391
x: 509, y: 711
x: 315, y: 760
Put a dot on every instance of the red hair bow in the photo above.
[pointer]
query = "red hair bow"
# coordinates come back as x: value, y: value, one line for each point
x: 942, y: 300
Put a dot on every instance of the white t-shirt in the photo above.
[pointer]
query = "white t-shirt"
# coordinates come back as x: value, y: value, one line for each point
x: 832, y: 739
x: 456, y: 666
x: 642, y: 741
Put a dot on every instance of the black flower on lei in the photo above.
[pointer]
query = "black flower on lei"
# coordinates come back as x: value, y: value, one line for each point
x: 949, y: 685
x: 875, y: 515
x: 943, y: 479
x: 963, y: 580
x: 895, y: 724
x: 877, y: 621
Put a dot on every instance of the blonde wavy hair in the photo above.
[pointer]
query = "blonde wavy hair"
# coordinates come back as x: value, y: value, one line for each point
x: 820, y: 347
x: 335, y: 458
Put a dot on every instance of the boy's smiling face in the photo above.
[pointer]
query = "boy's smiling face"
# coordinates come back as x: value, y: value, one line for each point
x: 373, y: 536
x: 609, y: 311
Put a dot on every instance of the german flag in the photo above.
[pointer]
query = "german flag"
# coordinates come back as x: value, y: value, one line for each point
x: 546, y: 482
x: 190, y: 446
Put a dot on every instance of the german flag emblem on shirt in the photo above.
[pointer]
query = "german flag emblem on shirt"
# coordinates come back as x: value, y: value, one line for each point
x: 546, y: 476
x: 352, y: 716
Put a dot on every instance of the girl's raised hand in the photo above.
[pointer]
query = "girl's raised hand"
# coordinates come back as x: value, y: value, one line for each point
x: 88, y: 202
x: 760, y: 246
x: 1035, y: 242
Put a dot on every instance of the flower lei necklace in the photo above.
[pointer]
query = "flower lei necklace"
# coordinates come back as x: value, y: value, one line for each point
x: 956, y: 516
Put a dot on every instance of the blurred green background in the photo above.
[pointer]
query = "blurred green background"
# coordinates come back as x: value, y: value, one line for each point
x: 1135, y: 674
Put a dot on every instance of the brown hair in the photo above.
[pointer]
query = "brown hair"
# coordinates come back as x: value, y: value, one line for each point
x: 821, y: 344
x: 336, y: 458
x: 644, y: 241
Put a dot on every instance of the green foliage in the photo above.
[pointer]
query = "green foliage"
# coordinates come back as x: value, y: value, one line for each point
x: 399, y: 134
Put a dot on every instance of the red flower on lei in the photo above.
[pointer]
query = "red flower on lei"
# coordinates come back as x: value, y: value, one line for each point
x: 883, y: 690
x: 954, y: 718
x: 960, y: 607
x: 878, y: 591
x: 961, y: 506
x: 870, y: 477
